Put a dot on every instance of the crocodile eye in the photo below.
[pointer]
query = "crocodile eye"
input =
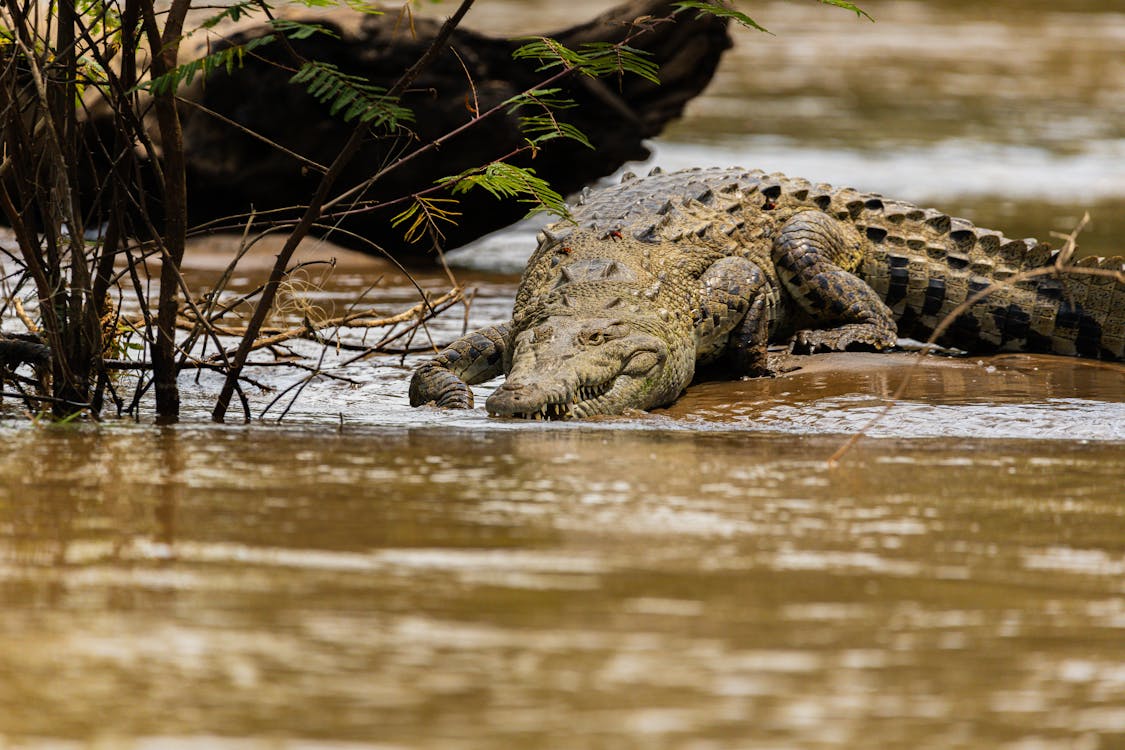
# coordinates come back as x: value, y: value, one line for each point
x: 595, y: 338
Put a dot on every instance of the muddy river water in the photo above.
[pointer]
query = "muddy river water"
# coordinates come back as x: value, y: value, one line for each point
x: 362, y: 574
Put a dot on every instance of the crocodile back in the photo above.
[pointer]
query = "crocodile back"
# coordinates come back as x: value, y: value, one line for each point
x: 924, y: 263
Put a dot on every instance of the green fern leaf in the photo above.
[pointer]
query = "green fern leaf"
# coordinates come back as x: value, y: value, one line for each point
x: 593, y: 59
x: 353, y: 95
x: 503, y: 180
x: 235, y: 12
x: 227, y: 59
x: 299, y: 30
x: 849, y: 6
x: 722, y: 11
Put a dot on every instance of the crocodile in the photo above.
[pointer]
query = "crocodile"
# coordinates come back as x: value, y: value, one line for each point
x: 659, y: 275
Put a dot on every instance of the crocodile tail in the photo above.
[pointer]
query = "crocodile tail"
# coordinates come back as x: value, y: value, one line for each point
x: 926, y: 264
x: 1076, y: 310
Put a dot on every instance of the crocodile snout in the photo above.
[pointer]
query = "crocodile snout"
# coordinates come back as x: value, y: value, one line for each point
x: 518, y: 399
x: 514, y: 398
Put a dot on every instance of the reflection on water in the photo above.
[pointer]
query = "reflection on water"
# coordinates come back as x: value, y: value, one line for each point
x: 369, y: 575
x: 571, y: 588
x: 1004, y: 396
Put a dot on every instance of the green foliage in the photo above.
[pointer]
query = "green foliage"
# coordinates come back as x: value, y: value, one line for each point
x: 424, y: 214
x: 299, y: 30
x: 545, y: 126
x: 359, y: 5
x: 231, y: 57
x: 542, y: 128
x: 363, y: 6
x: 235, y: 12
x: 504, y: 180
x: 593, y: 59
x: 715, y: 8
x: 351, y: 95
x: 722, y: 11
x: 849, y: 6
x: 226, y: 59
x: 101, y: 20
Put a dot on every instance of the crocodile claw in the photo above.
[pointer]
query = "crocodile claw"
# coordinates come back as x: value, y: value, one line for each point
x: 433, y: 385
x: 852, y: 337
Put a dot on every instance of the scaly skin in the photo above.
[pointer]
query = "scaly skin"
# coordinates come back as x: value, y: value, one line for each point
x: 662, y: 273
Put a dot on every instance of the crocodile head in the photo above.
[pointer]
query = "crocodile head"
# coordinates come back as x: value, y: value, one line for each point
x: 569, y: 367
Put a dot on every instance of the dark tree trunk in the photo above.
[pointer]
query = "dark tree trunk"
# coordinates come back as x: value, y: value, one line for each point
x: 229, y: 171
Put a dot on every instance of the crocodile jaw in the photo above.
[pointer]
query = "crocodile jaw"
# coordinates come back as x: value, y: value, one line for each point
x: 519, y: 401
x: 570, y: 369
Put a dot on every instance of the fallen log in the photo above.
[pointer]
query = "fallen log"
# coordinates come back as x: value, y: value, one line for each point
x: 230, y: 170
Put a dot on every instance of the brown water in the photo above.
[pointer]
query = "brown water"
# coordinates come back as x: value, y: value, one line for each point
x: 367, y: 575
x: 558, y: 588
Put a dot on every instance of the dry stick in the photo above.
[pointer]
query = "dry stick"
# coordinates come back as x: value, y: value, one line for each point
x: 299, y: 386
x: 312, y: 213
x: 1057, y: 268
x: 217, y: 314
x: 23, y: 316
x: 46, y: 399
x: 356, y: 320
x: 409, y: 277
x: 202, y: 324
x: 418, y: 311
x: 212, y: 302
x: 311, y: 332
x: 204, y: 321
x: 253, y: 134
x: 380, y: 346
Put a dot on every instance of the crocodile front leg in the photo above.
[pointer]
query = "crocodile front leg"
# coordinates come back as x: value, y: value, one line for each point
x: 445, y: 379
x: 815, y: 257
x: 737, y: 305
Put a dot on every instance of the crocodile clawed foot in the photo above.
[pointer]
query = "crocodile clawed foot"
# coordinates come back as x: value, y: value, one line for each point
x: 456, y: 399
x: 854, y: 337
x: 433, y: 385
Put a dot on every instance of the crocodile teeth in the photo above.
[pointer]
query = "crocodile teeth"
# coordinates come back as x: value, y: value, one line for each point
x: 546, y: 412
x: 591, y: 392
